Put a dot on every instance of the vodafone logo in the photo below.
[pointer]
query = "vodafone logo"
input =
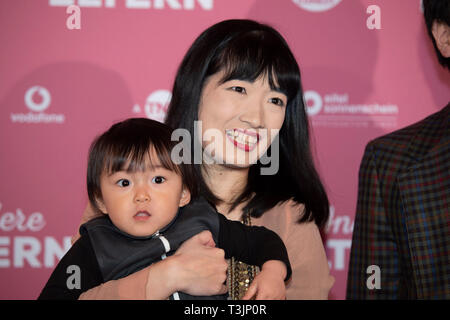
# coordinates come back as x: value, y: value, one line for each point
x: 44, y: 95
x: 37, y: 99
x: 316, y: 5
x: 156, y: 104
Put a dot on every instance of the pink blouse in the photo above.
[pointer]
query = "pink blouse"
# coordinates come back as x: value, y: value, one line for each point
x: 310, y: 279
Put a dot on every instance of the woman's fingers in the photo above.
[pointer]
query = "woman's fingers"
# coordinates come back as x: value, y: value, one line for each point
x: 200, y: 266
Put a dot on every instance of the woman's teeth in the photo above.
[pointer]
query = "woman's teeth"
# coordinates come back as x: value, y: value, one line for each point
x: 241, y: 137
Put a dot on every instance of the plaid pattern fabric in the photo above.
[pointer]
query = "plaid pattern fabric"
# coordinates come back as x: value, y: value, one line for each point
x: 402, y: 221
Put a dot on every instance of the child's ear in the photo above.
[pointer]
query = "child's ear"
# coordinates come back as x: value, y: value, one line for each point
x: 185, y: 197
x: 101, y: 205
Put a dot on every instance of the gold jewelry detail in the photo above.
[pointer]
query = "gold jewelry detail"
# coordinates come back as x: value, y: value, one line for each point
x: 240, y: 275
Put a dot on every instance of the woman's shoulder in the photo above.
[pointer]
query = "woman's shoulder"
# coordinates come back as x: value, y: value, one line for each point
x: 289, y: 211
x: 282, y: 218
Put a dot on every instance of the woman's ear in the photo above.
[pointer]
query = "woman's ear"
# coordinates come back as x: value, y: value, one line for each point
x: 441, y: 34
x: 185, y: 197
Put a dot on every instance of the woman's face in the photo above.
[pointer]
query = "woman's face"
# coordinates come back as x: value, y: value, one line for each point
x: 239, y: 120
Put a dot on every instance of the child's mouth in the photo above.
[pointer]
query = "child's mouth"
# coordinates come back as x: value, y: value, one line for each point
x: 142, y: 215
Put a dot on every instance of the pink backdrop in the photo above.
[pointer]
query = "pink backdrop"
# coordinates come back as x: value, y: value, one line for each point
x: 61, y: 87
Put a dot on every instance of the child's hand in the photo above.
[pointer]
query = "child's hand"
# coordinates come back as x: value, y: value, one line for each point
x: 269, y: 283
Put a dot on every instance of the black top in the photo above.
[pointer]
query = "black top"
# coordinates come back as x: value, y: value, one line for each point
x: 105, y: 253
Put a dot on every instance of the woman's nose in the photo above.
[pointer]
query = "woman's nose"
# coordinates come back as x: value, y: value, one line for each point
x: 253, y: 114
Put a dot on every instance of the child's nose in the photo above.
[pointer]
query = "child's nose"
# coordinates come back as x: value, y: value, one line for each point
x: 142, y: 196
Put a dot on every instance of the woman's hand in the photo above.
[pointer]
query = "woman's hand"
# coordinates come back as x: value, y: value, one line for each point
x: 269, y: 283
x: 196, y: 268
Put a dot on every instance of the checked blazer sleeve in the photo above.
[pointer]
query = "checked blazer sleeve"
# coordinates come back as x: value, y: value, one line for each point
x: 373, y: 239
x: 402, y: 222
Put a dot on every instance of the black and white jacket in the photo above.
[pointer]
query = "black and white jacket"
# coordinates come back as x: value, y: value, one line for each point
x: 105, y: 253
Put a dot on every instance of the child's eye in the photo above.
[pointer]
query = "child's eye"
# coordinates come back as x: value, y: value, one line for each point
x: 158, y: 179
x: 238, y: 89
x: 123, y: 182
x: 277, y: 101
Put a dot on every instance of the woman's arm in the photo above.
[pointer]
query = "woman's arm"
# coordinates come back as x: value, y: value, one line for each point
x: 196, y: 268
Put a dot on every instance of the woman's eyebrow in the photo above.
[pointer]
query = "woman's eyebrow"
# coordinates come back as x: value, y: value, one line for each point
x: 275, y: 89
x: 279, y: 90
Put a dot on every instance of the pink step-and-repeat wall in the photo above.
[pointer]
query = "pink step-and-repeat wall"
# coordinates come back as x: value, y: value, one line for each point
x: 368, y: 68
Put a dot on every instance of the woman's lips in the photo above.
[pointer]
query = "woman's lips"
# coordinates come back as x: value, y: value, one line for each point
x: 249, y: 132
x: 142, y: 216
x: 243, y: 139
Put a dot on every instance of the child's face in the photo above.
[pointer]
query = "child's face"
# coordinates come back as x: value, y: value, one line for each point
x: 142, y: 202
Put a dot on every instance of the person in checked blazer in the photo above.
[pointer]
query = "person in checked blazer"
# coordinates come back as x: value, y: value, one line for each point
x: 402, y: 222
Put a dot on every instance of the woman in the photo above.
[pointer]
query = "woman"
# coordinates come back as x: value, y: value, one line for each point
x: 240, y: 79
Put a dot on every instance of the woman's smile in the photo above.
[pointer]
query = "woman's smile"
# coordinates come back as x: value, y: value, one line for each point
x: 243, y: 139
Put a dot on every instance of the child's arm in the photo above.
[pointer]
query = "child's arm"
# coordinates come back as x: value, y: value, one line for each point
x: 257, y: 246
x: 77, y: 272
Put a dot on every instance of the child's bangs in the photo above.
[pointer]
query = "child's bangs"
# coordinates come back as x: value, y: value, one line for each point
x: 139, y: 158
x: 257, y: 54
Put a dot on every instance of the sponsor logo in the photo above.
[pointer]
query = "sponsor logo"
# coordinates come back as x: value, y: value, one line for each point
x: 45, y: 99
x: 187, y: 5
x: 336, y: 110
x: 156, y: 105
x: 313, y: 102
x: 37, y: 99
x: 316, y: 5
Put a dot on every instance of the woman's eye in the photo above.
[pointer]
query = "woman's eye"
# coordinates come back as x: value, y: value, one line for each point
x: 158, y: 179
x: 238, y: 89
x: 123, y: 182
x: 277, y: 101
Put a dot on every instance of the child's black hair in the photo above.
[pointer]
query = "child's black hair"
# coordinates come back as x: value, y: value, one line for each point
x: 126, y: 146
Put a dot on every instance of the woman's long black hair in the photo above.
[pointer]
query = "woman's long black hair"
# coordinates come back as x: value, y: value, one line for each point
x: 245, y: 50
